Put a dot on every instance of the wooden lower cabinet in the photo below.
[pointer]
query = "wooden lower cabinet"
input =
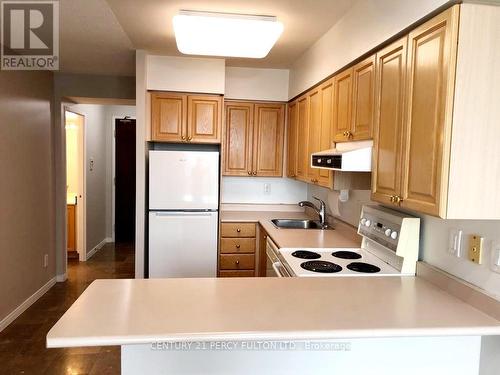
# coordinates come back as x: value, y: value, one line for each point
x: 262, y: 263
x: 237, y: 256
x: 237, y: 273
x: 237, y: 262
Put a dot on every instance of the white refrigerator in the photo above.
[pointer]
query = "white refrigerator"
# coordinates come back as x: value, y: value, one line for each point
x: 183, y: 213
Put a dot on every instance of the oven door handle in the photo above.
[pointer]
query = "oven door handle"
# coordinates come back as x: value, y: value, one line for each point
x: 280, y: 271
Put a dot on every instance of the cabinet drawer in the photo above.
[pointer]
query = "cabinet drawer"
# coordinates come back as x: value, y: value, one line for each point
x: 237, y: 273
x: 238, y: 230
x: 237, y: 262
x: 237, y: 245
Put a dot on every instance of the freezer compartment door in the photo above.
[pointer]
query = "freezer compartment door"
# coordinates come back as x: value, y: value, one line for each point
x: 183, y: 244
x: 183, y: 180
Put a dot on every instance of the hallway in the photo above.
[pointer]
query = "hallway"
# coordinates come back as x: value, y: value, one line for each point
x: 22, y: 344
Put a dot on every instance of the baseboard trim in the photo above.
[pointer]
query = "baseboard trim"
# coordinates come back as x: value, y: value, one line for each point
x: 62, y: 277
x: 26, y: 304
x: 98, y: 247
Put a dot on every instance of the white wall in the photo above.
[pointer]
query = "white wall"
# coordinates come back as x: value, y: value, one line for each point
x: 434, y: 245
x: 257, y: 84
x: 187, y: 74
x: 95, y: 180
x: 251, y: 190
x: 367, y: 24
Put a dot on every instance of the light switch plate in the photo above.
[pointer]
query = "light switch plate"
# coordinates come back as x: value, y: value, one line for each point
x: 475, y: 248
x: 495, y: 256
x: 455, y: 242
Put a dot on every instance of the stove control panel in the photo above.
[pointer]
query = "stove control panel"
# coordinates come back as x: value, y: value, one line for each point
x: 381, y: 225
x: 382, y: 228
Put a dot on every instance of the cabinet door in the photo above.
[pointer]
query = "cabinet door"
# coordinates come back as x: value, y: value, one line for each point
x: 342, y: 106
x: 431, y: 70
x: 363, y: 99
x: 168, y: 117
x: 302, y: 123
x: 389, y: 121
x: 326, y: 90
x: 204, y: 119
x: 71, y: 231
x: 269, y: 126
x: 292, y: 140
x: 314, y: 132
x: 238, y: 139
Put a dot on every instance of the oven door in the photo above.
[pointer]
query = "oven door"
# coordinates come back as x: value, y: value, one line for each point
x: 274, y: 268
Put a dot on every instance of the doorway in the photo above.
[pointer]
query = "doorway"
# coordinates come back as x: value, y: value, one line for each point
x: 124, y: 181
x: 75, y: 184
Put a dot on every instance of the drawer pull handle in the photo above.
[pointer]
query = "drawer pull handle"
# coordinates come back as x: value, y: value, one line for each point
x: 237, y: 262
x: 238, y: 230
x: 237, y: 246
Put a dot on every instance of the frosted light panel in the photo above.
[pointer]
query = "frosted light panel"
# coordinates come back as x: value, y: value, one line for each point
x: 217, y: 34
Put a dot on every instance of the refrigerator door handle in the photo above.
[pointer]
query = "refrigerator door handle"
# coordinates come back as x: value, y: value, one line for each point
x: 207, y: 213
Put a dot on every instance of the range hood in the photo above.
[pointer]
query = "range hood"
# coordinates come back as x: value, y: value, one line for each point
x: 346, y: 157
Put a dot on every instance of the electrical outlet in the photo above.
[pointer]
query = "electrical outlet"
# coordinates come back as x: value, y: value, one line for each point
x: 495, y: 256
x: 475, y: 248
x: 455, y: 242
x: 45, y: 260
x: 267, y: 188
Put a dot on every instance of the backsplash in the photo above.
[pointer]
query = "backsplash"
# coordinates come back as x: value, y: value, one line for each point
x: 261, y: 190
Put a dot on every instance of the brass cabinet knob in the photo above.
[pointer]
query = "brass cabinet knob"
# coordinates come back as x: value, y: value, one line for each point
x: 237, y: 262
x: 392, y: 198
x: 238, y: 230
x: 237, y: 246
x: 254, y: 173
x: 183, y: 137
x: 249, y: 173
x: 344, y: 134
x: 190, y: 139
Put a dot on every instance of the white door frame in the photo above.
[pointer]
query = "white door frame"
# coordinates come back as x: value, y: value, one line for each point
x: 113, y: 169
x: 81, y: 226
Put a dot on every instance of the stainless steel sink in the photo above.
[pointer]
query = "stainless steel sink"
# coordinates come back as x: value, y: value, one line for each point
x: 298, y: 224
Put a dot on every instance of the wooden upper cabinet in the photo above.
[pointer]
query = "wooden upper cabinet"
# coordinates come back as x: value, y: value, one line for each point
x: 168, y: 117
x: 389, y: 121
x: 303, y: 131
x: 432, y: 49
x: 238, y: 139
x: 269, y: 126
x: 204, y: 119
x: 314, y: 132
x: 292, y: 141
x: 253, y: 140
x: 363, y: 99
x: 326, y: 91
x: 342, y: 106
x: 186, y: 118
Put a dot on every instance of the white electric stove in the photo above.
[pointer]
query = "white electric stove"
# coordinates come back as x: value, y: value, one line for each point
x: 389, y: 248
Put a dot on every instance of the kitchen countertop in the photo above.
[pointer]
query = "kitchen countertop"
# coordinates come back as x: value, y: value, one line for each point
x: 124, y: 312
x: 343, y: 235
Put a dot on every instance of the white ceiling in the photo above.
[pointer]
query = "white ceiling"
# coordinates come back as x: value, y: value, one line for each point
x: 99, y: 36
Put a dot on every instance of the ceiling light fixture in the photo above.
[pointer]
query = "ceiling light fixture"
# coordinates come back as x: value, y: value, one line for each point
x: 225, y: 34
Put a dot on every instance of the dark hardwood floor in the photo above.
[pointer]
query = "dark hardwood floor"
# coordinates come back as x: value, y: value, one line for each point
x: 22, y: 343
